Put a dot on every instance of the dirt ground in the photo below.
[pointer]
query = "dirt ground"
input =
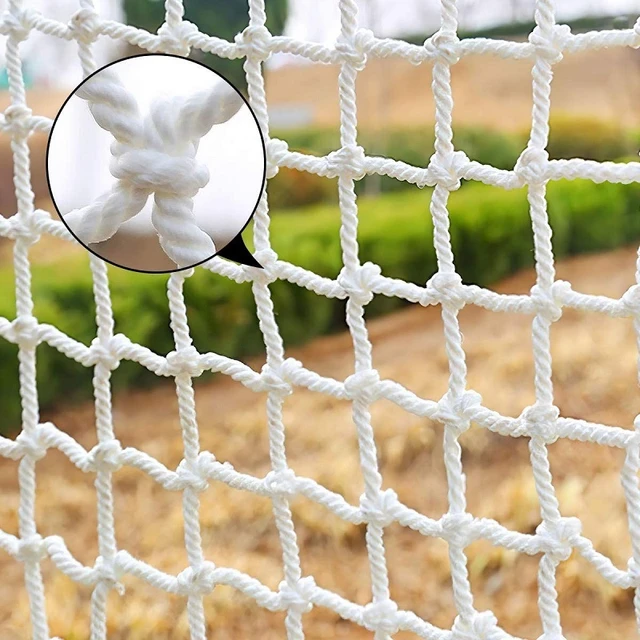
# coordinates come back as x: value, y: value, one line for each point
x: 595, y: 378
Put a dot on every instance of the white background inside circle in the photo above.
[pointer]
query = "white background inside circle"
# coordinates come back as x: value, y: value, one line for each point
x: 79, y: 155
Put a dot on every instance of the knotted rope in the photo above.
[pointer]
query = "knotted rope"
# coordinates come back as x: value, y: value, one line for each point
x: 153, y: 155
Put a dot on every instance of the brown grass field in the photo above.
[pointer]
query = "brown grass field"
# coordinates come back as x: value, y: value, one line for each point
x: 595, y: 378
x: 487, y: 91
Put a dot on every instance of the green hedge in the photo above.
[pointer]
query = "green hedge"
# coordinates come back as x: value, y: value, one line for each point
x: 290, y: 188
x: 491, y: 236
x: 570, y: 137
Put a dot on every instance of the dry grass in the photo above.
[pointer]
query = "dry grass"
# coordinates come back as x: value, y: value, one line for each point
x: 391, y: 92
x: 595, y: 377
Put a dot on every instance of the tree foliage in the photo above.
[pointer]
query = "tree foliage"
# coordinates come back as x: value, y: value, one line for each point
x: 223, y: 19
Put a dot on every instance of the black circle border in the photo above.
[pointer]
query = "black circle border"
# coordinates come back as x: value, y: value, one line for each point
x: 169, y: 55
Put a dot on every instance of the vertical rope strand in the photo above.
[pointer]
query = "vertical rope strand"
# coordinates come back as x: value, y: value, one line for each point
x: 24, y: 314
x: 255, y: 37
x: 446, y: 42
x: 191, y: 444
x: 352, y: 61
x: 542, y: 76
x: 629, y: 479
x: 107, y: 546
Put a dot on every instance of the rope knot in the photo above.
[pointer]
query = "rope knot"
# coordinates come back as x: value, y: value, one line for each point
x: 540, y: 421
x: 381, y: 509
x: 381, y: 617
x: 359, y: 281
x: 281, y: 483
x: 194, y: 474
x: 106, y: 352
x: 454, y: 411
x: 634, y: 572
x: 446, y: 170
x: 155, y: 154
x: 84, y: 25
x: 347, y: 161
x: 276, y: 152
x: 33, y: 443
x: 448, y: 288
x: 16, y: 23
x: 351, y: 52
x: 533, y: 166
x: 273, y: 381
x: 482, y: 626
x: 105, y: 456
x: 560, y: 290
x: 550, y: 44
x: 456, y: 528
x: 363, y: 385
x: 363, y: 40
x: 254, y: 41
x: 559, y: 538
x: 32, y: 548
x: 155, y: 170
x: 268, y: 259
x: 196, y: 581
x: 547, y: 302
x: 289, y: 368
x: 297, y: 597
x: 109, y: 573
x: 630, y: 300
x: 25, y: 332
x: 185, y: 360
x: 444, y: 46
x: 176, y: 39
x: 37, y: 220
x: 27, y: 227
x: 18, y: 117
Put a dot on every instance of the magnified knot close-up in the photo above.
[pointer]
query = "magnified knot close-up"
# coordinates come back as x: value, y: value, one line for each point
x: 171, y: 201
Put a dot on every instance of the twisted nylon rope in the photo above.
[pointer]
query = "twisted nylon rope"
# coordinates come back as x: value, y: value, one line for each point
x: 555, y: 538
x: 155, y: 154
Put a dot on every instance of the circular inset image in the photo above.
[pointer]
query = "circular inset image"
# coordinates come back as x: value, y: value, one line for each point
x: 156, y: 163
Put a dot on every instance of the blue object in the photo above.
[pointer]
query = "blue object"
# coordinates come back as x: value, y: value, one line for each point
x: 4, y: 78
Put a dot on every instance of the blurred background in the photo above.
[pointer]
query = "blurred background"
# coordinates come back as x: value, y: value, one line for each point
x: 595, y: 116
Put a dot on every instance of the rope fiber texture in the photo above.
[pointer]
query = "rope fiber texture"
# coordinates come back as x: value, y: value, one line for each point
x: 153, y: 155
x: 556, y: 537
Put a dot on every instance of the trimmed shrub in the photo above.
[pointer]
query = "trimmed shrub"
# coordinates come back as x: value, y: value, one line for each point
x: 291, y: 188
x: 491, y: 236
x: 571, y: 137
x: 586, y: 137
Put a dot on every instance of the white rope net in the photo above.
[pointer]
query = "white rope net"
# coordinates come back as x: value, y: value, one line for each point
x: 555, y: 538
